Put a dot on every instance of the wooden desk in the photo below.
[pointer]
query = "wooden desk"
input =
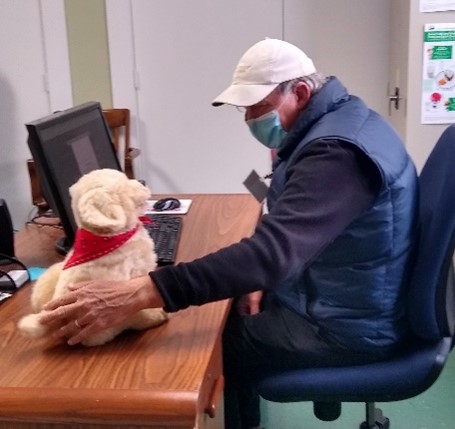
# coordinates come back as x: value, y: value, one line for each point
x: 167, y: 377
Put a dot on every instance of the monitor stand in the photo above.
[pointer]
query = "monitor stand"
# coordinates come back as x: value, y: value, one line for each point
x: 62, y: 246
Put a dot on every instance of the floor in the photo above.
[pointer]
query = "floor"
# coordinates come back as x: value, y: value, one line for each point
x: 433, y: 409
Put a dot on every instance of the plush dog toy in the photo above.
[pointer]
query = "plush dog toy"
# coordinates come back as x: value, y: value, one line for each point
x: 111, y: 243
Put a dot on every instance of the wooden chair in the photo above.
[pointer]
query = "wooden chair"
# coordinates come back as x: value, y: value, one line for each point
x: 38, y: 199
x: 118, y: 121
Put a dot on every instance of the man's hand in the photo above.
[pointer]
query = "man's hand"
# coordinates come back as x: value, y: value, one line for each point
x: 250, y: 304
x: 95, y: 305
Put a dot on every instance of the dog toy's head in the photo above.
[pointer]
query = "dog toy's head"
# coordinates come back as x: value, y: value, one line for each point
x: 105, y: 201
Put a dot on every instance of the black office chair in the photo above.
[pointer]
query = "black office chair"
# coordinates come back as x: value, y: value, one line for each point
x: 431, y: 309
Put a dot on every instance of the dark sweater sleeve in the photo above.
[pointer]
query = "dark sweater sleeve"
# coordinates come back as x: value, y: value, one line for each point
x: 329, y: 185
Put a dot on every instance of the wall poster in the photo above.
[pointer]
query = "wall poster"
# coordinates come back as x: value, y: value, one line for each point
x: 436, y: 5
x: 438, y: 83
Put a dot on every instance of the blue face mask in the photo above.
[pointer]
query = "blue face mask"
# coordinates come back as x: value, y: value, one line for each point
x: 267, y: 129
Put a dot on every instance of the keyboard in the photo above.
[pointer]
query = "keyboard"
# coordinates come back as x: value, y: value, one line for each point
x: 165, y: 232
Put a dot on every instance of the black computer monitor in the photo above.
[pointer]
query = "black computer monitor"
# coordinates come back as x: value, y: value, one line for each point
x: 65, y: 146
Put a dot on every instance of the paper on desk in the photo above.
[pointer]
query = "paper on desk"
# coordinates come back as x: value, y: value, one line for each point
x: 184, y: 207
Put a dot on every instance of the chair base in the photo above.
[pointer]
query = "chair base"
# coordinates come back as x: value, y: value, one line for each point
x: 327, y: 411
x: 374, y: 418
x: 376, y: 425
x: 330, y: 411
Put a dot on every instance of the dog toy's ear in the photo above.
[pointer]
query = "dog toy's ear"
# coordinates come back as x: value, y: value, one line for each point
x: 139, y: 193
x: 97, y: 209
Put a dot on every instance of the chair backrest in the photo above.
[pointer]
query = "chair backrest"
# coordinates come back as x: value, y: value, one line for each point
x: 431, y: 297
x: 118, y: 120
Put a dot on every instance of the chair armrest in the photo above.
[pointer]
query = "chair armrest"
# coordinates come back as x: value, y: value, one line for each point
x: 133, y: 153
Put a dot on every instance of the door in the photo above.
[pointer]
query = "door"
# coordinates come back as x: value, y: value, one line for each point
x: 183, y: 56
x: 398, y: 71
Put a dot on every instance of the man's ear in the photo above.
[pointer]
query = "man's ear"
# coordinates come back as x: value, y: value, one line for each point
x: 303, y: 92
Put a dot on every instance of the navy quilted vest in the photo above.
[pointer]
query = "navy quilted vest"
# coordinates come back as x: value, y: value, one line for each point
x: 354, y: 290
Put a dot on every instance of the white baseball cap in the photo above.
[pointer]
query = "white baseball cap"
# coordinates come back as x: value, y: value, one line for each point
x: 261, y: 69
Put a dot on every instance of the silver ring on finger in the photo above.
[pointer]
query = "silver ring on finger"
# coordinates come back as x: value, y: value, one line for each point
x: 78, y: 326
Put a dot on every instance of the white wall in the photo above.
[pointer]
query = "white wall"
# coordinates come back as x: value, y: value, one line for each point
x: 34, y: 81
x: 183, y: 54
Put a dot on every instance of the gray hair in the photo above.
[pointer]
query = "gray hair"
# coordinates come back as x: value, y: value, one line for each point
x: 314, y: 81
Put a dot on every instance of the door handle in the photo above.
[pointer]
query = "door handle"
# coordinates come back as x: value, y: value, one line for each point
x: 394, y: 99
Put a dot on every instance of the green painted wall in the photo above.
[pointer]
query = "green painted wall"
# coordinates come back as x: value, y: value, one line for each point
x: 88, y: 51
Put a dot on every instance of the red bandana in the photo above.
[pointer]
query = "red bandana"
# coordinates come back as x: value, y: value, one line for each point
x: 146, y: 220
x: 88, y: 246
